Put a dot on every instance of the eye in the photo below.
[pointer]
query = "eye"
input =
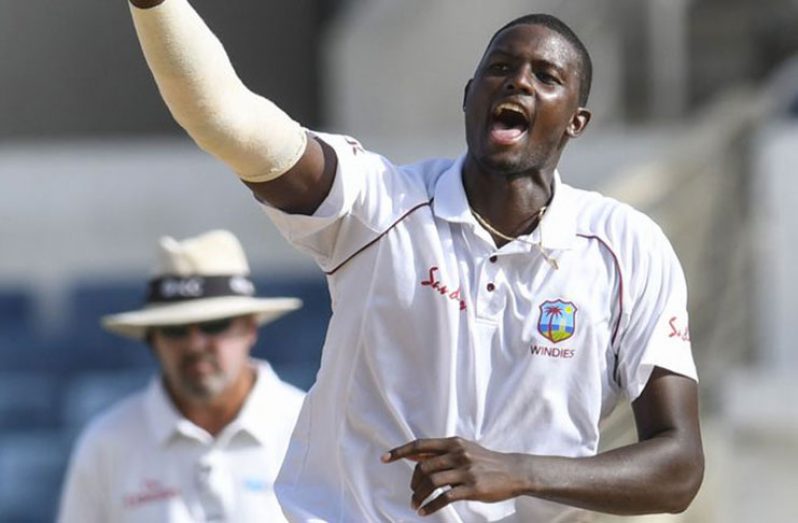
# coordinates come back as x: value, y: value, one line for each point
x: 547, y: 78
x: 499, y: 67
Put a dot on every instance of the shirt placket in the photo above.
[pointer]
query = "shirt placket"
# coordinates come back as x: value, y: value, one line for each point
x: 490, y: 302
x: 489, y: 296
x: 214, y: 487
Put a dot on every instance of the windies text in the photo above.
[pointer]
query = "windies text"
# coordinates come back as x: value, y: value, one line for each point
x: 551, y: 352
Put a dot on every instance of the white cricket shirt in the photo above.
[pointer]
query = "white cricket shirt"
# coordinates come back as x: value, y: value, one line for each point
x: 435, y: 332
x: 143, y: 462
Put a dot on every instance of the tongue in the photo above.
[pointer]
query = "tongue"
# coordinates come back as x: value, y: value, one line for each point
x: 504, y: 134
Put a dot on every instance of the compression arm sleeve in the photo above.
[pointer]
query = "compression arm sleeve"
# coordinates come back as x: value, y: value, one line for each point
x: 206, y: 97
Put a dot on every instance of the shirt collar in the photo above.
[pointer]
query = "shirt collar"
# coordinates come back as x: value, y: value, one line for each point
x: 450, y: 202
x: 164, y: 418
x: 166, y: 421
x: 557, y: 229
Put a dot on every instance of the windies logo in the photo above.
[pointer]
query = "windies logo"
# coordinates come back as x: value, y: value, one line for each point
x: 557, y: 320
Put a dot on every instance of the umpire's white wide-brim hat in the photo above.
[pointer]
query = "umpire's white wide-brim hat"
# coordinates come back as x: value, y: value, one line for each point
x: 199, y: 279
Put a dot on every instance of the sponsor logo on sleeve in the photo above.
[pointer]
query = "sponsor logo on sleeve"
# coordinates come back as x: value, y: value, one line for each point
x: 355, y: 145
x: 678, y: 329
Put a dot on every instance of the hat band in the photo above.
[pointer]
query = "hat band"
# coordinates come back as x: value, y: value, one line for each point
x: 168, y: 289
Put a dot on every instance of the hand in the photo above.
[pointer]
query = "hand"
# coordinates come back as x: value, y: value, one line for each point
x: 466, y: 470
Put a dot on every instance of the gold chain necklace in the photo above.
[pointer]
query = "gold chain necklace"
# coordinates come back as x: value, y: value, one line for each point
x: 538, y: 216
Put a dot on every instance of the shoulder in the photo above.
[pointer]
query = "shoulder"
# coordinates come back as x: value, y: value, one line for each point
x: 627, y: 231
x: 428, y: 172
x: 288, y: 396
x: 639, y: 248
x: 353, y: 156
x: 115, y: 426
x: 292, y: 395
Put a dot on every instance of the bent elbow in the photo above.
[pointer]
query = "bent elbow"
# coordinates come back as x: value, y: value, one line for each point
x: 687, y: 485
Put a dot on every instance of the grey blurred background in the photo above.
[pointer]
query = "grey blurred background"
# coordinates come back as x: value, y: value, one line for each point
x: 695, y: 122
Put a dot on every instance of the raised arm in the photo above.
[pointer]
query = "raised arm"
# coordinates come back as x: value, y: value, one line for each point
x: 660, y: 473
x: 269, y: 151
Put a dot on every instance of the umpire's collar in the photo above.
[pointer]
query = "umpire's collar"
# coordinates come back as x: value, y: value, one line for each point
x: 167, y: 423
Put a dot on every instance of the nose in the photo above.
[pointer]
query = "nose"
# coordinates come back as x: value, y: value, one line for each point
x: 520, y: 80
x: 196, y: 339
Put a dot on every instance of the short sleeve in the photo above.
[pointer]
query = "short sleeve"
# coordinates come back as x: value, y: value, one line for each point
x: 655, y: 327
x: 368, y: 195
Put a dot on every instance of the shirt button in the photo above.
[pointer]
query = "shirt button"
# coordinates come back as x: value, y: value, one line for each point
x: 491, y: 287
x: 493, y: 258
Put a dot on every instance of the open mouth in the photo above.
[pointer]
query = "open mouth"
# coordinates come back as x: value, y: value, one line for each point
x: 509, y: 123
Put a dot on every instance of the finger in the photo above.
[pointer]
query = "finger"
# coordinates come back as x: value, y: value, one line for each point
x: 427, y: 486
x: 416, y: 449
x: 386, y: 458
x: 420, y: 457
x: 455, y: 494
x: 430, y: 466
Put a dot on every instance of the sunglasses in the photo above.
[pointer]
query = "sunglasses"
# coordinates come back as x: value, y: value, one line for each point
x: 210, y: 328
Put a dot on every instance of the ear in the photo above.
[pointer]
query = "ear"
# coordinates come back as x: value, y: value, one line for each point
x: 252, y: 326
x: 578, y: 122
x: 465, y: 91
x: 149, y: 339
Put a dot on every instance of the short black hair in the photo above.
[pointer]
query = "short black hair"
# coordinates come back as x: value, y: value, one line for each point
x: 560, y: 27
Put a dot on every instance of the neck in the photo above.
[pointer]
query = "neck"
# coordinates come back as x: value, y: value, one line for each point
x: 214, y: 414
x: 512, y: 205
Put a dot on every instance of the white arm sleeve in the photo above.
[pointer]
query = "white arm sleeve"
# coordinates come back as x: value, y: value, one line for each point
x: 206, y: 97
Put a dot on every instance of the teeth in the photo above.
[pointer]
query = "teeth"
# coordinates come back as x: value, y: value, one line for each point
x: 510, y: 106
